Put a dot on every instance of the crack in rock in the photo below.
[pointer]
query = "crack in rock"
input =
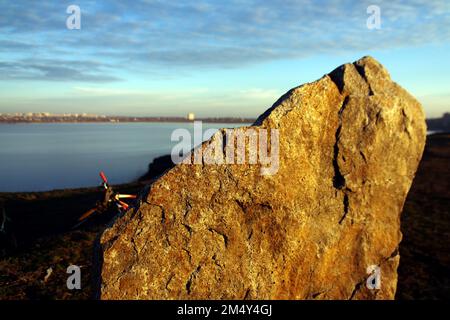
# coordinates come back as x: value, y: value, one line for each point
x: 191, y: 279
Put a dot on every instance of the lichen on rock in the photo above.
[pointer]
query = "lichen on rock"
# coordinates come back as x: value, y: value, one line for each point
x: 349, y: 146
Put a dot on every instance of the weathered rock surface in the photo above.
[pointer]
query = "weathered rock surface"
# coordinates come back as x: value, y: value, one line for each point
x: 350, y: 144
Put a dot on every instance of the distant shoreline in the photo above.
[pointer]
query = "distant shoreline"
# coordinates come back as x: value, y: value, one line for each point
x: 433, y: 124
x: 119, y: 119
x: 134, y: 121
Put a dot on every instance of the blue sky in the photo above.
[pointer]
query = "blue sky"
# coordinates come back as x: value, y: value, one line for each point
x: 215, y: 58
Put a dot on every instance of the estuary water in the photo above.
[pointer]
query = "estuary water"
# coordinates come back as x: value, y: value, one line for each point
x: 47, y: 156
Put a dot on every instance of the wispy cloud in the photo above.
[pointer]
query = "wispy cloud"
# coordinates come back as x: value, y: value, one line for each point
x: 54, y: 70
x: 99, y: 91
x: 143, y: 35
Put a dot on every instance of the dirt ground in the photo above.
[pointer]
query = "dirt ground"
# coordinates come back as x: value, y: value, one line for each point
x: 424, y: 271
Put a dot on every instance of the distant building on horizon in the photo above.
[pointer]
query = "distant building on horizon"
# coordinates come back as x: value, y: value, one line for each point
x: 190, y: 116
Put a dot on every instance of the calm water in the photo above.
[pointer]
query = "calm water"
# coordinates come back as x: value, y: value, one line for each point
x: 37, y: 157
